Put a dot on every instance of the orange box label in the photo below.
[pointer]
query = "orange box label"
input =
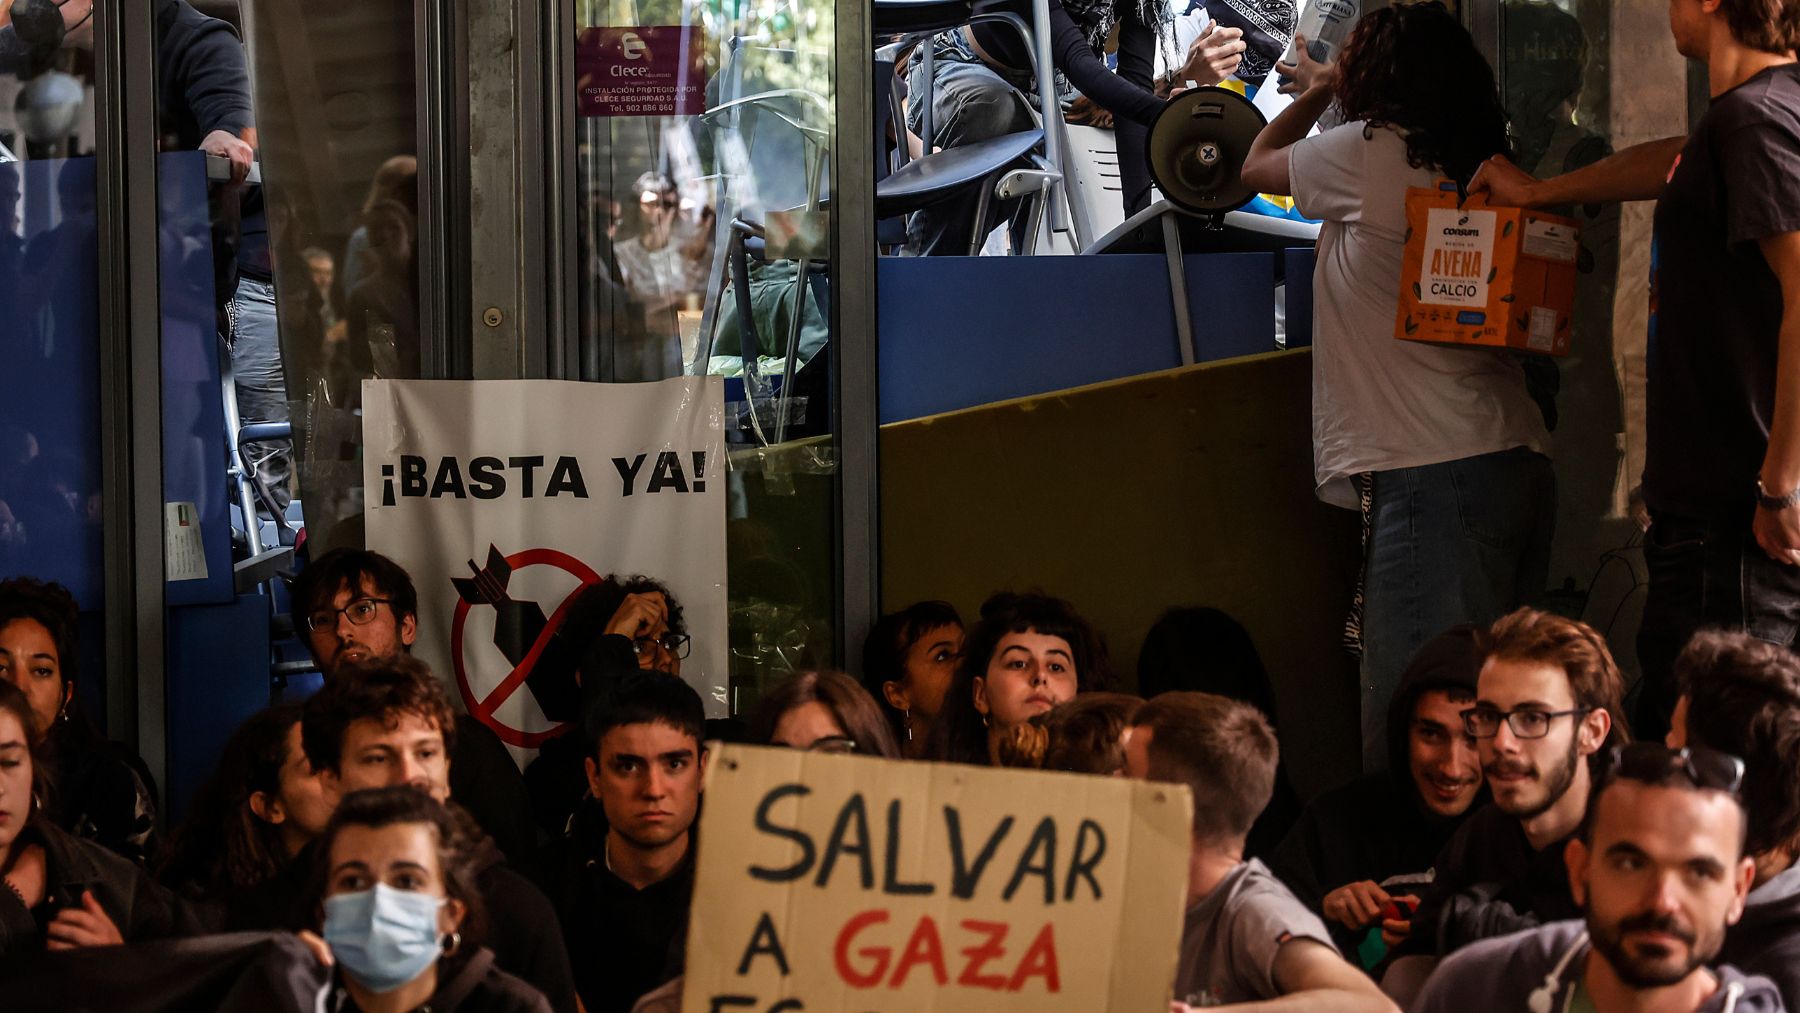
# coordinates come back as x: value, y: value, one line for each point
x: 1490, y: 277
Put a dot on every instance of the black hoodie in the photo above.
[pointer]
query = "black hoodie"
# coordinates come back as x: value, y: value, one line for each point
x: 1377, y: 828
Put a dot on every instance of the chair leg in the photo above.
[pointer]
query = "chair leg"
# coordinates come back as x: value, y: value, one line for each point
x: 981, y: 213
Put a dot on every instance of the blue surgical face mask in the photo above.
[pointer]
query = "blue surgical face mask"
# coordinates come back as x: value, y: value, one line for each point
x: 383, y: 937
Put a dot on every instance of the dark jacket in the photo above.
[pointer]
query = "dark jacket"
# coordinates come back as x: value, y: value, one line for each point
x: 557, y: 779
x: 477, y: 986
x: 1534, y: 972
x: 486, y: 781
x: 1490, y: 882
x: 141, y: 908
x: 623, y: 942
x: 1766, y: 940
x: 99, y: 792
x: 204, y: 82
x: 522, y: 928
x: 1376, y: 828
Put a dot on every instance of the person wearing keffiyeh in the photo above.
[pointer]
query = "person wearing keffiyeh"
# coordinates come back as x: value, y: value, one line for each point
x: 980, y: 72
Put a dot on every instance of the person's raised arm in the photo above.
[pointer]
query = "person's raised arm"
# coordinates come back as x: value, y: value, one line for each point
x: 1314, y: 978
x: 1266, y: 167
x: 1636, y: 173
x: 1778, y: 531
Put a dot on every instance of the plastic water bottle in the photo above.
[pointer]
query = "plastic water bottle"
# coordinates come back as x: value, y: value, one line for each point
x: 1325, y: 24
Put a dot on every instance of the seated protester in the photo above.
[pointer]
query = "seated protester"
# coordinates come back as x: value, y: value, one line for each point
x: 1442, y: 450
x: 1246, y: 939
x: 103, y: 789
x: 1027, y: 653
x: 388, y: 723
x: 398, y: 905
x: 1742, y: 693
x: 825, y: 712
x: 979, y: 72
x: 616, y: 628
x: 1660, y: 872
x: 909, y: 658
x: 1549, y: 698
x: 623, y: 888
x: 64, y: 891
x: 353, y: 605
x: 1205, y: 650
x: 1371, y: 843
x: 262, y: 806
x: 1087, y: 734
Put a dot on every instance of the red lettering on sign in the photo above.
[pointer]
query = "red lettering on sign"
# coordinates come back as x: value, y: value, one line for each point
x: 992, y: 949
x: 880, y: 954
x: 1040, y: 961
x: 923, y: 948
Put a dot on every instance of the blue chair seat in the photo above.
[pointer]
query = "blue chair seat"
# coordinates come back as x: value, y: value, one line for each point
x: 925, y: 181
x: 903, y: 17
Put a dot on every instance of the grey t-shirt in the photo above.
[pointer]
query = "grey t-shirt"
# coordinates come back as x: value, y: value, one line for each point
x: 1230, y: 938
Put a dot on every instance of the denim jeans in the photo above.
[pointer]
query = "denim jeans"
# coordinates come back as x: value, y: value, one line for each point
x: 969, y: 103
x: 1464, y: 541
x: 261, y: 385
x: 1704, y: 574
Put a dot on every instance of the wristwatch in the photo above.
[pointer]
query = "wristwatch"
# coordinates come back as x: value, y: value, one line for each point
x: 1769, y: 502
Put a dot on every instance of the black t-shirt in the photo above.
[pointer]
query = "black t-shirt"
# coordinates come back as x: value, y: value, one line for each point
x: 1715, y: 304
x: 623, y: 942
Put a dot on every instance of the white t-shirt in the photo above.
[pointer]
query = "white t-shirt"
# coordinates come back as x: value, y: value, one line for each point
x: 1380, y: 403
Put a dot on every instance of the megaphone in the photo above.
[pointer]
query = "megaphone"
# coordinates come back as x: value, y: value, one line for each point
x: 1197, y: 147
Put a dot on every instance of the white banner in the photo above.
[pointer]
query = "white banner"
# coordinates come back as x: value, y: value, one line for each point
x: 506, y: 498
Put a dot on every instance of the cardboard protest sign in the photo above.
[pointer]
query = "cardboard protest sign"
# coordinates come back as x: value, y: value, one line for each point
x: 508, y: 499
x: 855, y: 884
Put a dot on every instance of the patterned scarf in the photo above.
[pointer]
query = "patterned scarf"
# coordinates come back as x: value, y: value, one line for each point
x: 1097, y: 18
x: 1268, y: 27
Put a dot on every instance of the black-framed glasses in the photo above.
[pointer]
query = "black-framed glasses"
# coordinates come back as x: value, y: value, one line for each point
x: 359, y: 612
x: 1528, y: 723
x: 677, y: 644
x: 1654, y: 762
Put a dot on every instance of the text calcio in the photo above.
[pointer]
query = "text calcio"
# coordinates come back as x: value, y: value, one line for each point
x: 872, y: 952
x: 536, y: 476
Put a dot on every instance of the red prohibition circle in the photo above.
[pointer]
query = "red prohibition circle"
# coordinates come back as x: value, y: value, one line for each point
x: 483, y: 709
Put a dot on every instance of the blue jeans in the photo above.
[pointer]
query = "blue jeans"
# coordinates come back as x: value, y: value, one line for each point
x: 1464, y: 541
x: 1704, y: 574
x: 969, y: 103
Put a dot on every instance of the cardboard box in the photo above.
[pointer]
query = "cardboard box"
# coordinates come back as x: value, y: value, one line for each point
x: 1491, y: 277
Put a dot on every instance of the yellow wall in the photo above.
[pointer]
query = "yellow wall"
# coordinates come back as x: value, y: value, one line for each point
x: 1186, y: 487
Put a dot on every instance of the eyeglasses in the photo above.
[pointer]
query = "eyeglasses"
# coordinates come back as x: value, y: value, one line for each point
x: 677, y: 644
x: 359, y: 612
x: 1654, y: 762
x: 835, y: 744
x: 1484, y: 722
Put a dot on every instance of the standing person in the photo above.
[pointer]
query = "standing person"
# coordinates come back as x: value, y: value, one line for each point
x: 1373, y: 842
x: 1661, y: 874
x: 1246, y: 939
x: 624, y: 887
x: 1028, y: 653
x: 1442, y: 449
x: 1549, y: 698
x: 102, y: 789
x: 355, y: 605
x: 979, y: 73
x: 1742, y: 693
x: 383, y: 724
x: 1722, y: 453
x: 399, y: 908
x: 909, y: 659
x: 63, y: 892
